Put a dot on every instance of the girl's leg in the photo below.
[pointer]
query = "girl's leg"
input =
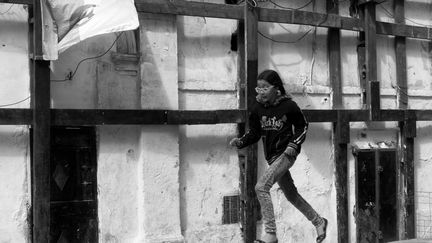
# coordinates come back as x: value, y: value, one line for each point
x: 286, y: 183
x: 273, y: 174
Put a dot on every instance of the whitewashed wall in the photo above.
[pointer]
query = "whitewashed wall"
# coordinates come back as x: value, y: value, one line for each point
x: 166, y: 183
x: 15, y: 198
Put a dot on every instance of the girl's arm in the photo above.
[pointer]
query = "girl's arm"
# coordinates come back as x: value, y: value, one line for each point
x: 300, y: 128
x: 253, y: 135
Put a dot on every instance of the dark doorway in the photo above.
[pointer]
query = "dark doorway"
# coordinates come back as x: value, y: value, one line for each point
x: 376, y: 195
x: 73, y: 185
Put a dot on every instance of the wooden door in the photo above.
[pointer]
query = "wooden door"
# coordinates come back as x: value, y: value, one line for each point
x: 73, y: 185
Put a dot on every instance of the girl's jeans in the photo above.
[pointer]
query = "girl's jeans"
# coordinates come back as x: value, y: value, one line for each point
x: 278, y: 172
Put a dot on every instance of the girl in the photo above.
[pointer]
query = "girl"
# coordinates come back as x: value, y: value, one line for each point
x: 281, y: 124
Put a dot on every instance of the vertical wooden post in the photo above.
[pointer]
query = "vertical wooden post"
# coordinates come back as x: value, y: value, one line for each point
x: 251, y: 73
x: 41, y: 133
x: 373, y: 91
x: 400, y: 50
x: 241, y: 127
x: 406, y: 212
x: 334, y: 58
x: 361, y: 66
x: 407, y: 206
x: 340, y: 142
x: 340, y: 130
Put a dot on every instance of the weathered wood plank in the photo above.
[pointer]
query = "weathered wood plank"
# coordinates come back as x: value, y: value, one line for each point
x: 241, y: 127
x: 308, y: 18
x: 373, y: 92
x: 64, y: 117
x: 251, y: 73
x: 407, y: 180
x: 401, y: 65
x: 187, y: 8
x: 191, y: 8
x: 340, y: 141
x: 28, y: 2
x: 202, y: 117
x: 40, y: 166
x: 334, y: 57
x: 16, y: 116
x: 404, y: 30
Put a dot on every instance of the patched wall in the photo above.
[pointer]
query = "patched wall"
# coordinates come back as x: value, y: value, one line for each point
x: 167, y: 183
x: 15, y: 200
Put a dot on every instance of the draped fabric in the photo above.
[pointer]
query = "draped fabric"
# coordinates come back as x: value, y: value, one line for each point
x: 67, y: 22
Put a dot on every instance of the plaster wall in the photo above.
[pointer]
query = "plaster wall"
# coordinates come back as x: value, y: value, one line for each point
x: 147, y: 194
x: 15, y: 197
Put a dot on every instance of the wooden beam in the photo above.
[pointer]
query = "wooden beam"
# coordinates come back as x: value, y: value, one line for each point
x: 241, y: 127
x: 251, y: 73
x: 341, y: 129
x: 406, y: 211
x: 340, y: 142
x: 41, y: 133
x: 373, y: 91
x: 16, y: 116
x: 28, y: 2
x: 404, y: 30
x: 334, y: 57
x: 401, y: 65
x: 308, y: 18
x: 203, y: 117
x: 407, y: 204
x: 90, y: 117
x: 192, y: 8
x: 188, y: 8
x: 86, y: 117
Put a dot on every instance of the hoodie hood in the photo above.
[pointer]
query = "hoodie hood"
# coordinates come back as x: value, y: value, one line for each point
x: 277, y: 101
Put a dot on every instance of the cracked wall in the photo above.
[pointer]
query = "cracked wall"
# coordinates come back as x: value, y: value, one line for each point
x: 158, y: 183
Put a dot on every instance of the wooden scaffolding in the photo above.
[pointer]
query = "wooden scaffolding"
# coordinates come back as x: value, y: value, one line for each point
x: 41, y: 117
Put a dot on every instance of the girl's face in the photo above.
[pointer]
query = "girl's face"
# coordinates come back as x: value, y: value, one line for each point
x: 267, y: 91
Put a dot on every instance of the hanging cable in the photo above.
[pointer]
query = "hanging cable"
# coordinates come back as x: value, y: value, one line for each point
x: 72, y: 74
x: 7, y: 10
x: 286, y: 42
x: 388, y: 13
x: 11, y: 104
x: 283, y: 7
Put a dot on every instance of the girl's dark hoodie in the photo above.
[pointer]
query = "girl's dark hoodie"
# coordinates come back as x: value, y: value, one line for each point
x: 280, y: 124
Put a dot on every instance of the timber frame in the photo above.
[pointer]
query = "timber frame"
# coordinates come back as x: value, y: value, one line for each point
x: 41, y: 117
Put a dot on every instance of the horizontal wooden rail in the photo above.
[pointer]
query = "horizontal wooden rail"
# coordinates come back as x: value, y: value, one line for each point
x: 28, y: 2
x: 213, y: 10
x: 187, y: 8
x: 16, y: 116
x: 145, y: 117
x: 77, y: 117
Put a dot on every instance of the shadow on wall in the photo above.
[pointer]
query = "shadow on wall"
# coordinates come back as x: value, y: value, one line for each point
x: 15, y: 136
x: 207, y: 171
x: 157, y: 60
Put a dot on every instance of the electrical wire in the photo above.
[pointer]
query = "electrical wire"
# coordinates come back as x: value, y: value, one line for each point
x: 301, y: 37
x: 11, y: 104
x: 283, y: 7
x: 407, y: 19
x: 286, y: 42
x: 72, y: 74
x: 7, y: 10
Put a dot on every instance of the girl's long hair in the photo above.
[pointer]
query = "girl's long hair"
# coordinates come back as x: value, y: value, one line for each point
x: 273, y: 78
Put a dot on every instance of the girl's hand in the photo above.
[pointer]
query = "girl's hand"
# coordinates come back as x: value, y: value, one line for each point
x: 290, y: 152
x: 235, y: 142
